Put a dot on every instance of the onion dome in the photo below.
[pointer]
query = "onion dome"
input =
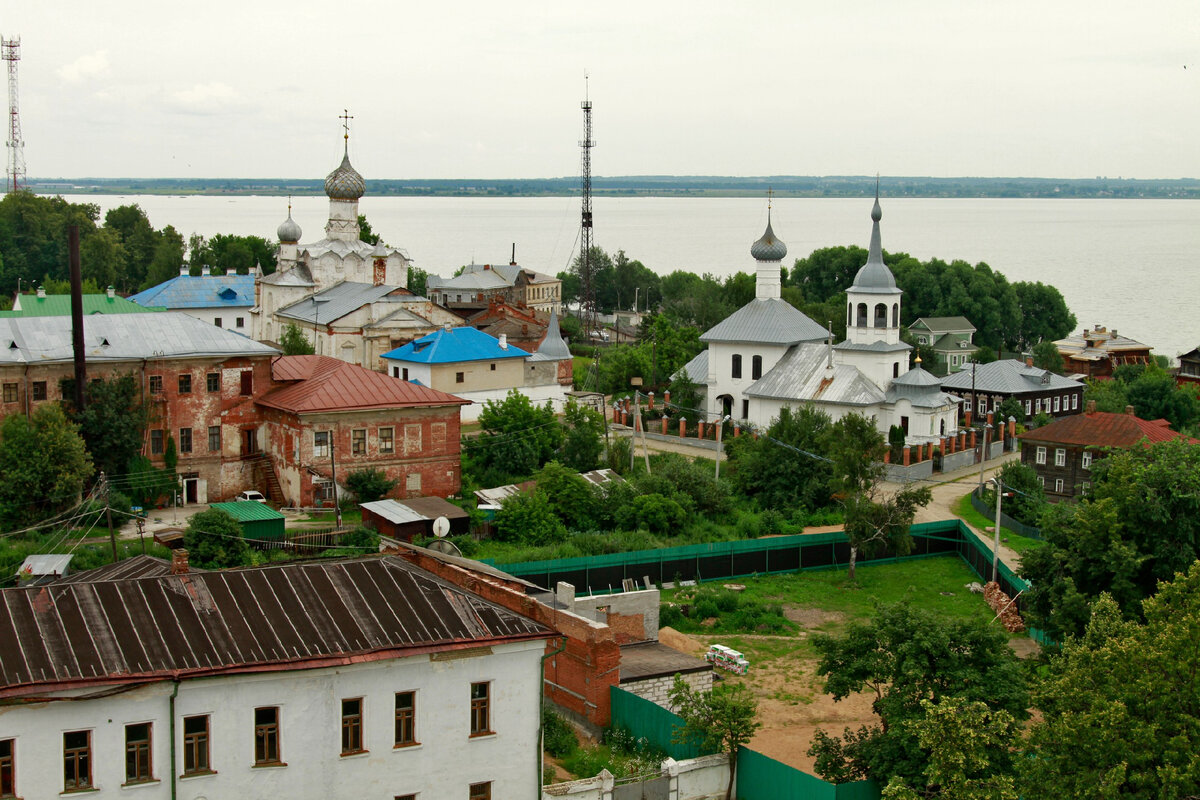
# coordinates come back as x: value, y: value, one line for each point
x: 289, y: 231
x: 344, y: 183
x: 769, y: 247
x: 875, y: 277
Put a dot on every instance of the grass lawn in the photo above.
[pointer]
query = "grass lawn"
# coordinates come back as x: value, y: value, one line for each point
x: 1012, y: 539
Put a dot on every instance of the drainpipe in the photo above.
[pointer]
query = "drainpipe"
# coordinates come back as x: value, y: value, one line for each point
x: 541, y: 712
x: 171, y: 725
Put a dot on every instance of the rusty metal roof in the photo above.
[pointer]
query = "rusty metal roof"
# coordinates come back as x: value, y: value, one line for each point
x: 324, y: 383
x: 283, y: 616
x: 1102, y: 429
x: 124, y: 570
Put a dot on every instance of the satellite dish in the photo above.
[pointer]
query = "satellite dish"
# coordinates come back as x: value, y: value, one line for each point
x: 441, y: 526
x: 445, y: 547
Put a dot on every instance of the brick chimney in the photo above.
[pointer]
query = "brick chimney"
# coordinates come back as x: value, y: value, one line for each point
x: 1090, y: 408
x: 1129, y: 410
x: 1029, y: 361
x: 179, y: 562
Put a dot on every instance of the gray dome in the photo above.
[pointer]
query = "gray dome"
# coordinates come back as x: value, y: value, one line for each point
x: 875, y: 277
x: 289, y: 231
x: 769, y: 247
x: 344, y: 183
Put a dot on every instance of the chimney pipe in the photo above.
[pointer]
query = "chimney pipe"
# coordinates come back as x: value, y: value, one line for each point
x: 42, y: 292
x: 513, y: 261
x: 504, y: 341
x: 76, y: 315
x: 1129, y: 410
x: 179, y: 562
x: 111, y: 292
x: 183, y: 269
x: 1029, y: 361
x: 1090, y: 408
x: 206, y: 270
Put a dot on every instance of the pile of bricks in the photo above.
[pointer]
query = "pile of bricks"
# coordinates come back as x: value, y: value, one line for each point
x: 1009, y: 617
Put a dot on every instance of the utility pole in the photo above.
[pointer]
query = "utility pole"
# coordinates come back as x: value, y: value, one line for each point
x: 996, y: 540
x: 112, y: 534
x: 337, y: 507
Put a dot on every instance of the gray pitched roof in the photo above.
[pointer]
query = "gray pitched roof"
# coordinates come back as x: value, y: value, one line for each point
x: 341, y: 299
x: 920, y: 388
x: 552, y: 348
x: 801, y: 375
x: 296, y: 276
x: 766, y: 321
x: 943, y: 324
x: 877, y: 346
x: 696, y: 370
x: 121, y: 337
x: 1007, y: 377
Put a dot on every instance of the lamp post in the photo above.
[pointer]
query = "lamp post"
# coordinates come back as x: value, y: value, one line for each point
x: 720, y: 429
x: 636, y: 291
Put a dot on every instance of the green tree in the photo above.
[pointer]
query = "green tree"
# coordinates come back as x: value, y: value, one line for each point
x: 961, y: 738
x: 784, y: 469
x: 295, y: 342
x: 43, y: 466
x: 1046, y: 356
x: 875, y: 520
x: 528, y: 518
x: 170, y: 454
x: 214, y: 540
x: 1028, y: 496
x: 583, y: 437
x: 369, y: 485
x: 983, y: 355
x: 904, y: 655
x: 570, y: 496
x: 1009, y: 407
x: 103, y: 261
x: 856, y: 448
x: 113, y: 423
x: 719, y: 721
x: 658, y: 513
x: 1120, y: 705
x: 137, y: 240
x: 145, y: 484
x: 418, y: 280
x: 518, y: 437
x: 365, y: 233
x: 167, y: 258
x: 1044, y: 315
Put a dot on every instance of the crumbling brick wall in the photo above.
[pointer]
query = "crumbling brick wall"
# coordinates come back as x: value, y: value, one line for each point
x: 1002, y: 604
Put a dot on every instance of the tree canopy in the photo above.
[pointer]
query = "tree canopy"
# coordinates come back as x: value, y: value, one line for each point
x: 214, y: 540
x: 719, y: 721
x: 44, y: 465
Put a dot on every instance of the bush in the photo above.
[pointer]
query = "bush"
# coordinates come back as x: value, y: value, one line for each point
x: 528, y: 518
x: 214, y: 540
x: 560, y: 739
x: 733, y: 611
x: 369, y: 485
x: 659, y: 514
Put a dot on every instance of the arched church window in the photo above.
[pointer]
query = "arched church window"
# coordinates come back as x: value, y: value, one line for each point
x: 862, y: 315
x: 849, y: 314
x: 895, y: 315
x: 736, y: 369
x: 756, y: 367
x: 895, y: 369
x: 880, y: 315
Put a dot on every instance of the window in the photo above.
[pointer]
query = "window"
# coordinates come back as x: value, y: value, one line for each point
x: 1084, y: 487
x: 756, y: 367
x: 1041, y: 481
x: 39, y: 390
x: 241, y: 322
x: 156, y: 384
x: 437, y: 433
x: 1056, y: 405
x: 212, y: 381
x: 387, y: 440
x: 195, y: 745
x: 137, y: 753
x: 967, y: 404
x: 185, y: 440
x: 481, y: 791
x: 480, y: 719
x: 77, y: 760
x: 1041, y: 455
x: 247, y: 382
x: 185, y: 384
x: 1037, y: 406
x: 352, y: 722
x: 266, y: 735
x: 745, y: 409
x: 156, y: 443
x: 895, y: 369
x: 493, y: 366
x: 412, y: 439
x: 8, y: 775
x: 322, y: 489
x: 413, y: 482
x: 217, y: 321
x: 1027, y: 406
x: 358, y: 442
x: 10, y: 392
x: 1058, y: 485
x: 320, y: 444
x: 404, y: 374
x: 406, y: 718
x: 735, y: 368
x: 214, y: 438
x: 1060, y: 457
x: 1086, y: 461
x: 459, y: 377
x: 1074, y: 402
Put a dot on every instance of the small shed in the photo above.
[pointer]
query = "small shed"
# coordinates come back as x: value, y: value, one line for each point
x: 42, y: 568
x: 413, y: 517
x: 259, y: 521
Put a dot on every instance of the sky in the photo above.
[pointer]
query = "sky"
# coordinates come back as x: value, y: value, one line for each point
x: 485, y: 89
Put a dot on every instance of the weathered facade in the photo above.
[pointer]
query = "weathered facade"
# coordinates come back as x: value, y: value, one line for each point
x: 1097, y: 352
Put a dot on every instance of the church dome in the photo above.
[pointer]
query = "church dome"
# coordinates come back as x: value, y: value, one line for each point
x: 344, y: 183
x: 875, y: 277
x: 289, y: 231
x: 769, y: 247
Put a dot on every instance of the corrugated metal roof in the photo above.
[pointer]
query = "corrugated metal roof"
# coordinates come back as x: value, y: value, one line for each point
x: 943, y: 324
x: 46, y: 564
x: 434, y: 507
x: 393, y: 511
x: 877, y: 346
x: 199, y: 291
x: 277, y: 616
x: 1102, y: 429
x: 1008, y: 376
x: 296, y: 276
x: 766, y: 320
x: 125, y: 570
x: 696, y: 370
x: 552, y: 347
x: 59, y: 305
x: 324, y: 383
x: 335, y: 302
x: 921, y: 389
x: 468, y: 282
x: 801, y: 376
x: 245, y: 511
x: 452, y: 346
x: 342, y: 248
x: 121, y: 337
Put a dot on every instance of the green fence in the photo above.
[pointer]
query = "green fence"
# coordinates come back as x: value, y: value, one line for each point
x: 1014, y: 525
x: 650, y: 721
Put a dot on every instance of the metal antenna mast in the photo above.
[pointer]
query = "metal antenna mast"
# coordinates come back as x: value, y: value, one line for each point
x: 585, y: 238
x: 11, y: 52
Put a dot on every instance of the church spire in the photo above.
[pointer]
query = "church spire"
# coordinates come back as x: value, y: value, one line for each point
x: 768, y: 251
x: 874, y: 277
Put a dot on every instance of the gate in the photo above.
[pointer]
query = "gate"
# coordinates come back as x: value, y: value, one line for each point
x: 642, y: 787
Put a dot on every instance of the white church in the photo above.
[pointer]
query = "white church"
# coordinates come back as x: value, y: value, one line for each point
x: 768, y: 355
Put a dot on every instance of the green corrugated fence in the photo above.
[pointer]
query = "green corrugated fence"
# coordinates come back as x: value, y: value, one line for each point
x: 650, y: 721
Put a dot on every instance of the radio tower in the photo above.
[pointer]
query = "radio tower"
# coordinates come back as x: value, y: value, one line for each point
x: 585, y: 238
x: 15, y: 179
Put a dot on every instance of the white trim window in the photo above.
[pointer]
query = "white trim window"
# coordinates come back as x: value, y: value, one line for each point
x: 1041, y: 455
x: 1074, y: 402
x: 1086, y: 461
x: 1057, y: 407
x: 1028, y: 404
x: 1060, y: 457
x: 967, y: 403
x: 1058, y: 485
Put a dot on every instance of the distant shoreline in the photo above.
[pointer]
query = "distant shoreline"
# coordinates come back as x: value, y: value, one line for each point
x: 653, y: 186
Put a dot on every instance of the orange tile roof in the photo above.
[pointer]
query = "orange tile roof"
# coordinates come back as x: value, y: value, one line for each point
x: 1103, y: 429
x: 323, y: 383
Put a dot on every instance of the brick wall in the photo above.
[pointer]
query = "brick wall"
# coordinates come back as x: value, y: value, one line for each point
x: 656, y: 690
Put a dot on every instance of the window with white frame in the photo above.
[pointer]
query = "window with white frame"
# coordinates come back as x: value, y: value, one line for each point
x: 1060, y: 457
x: 1041, y: 455
x: 1084, y: 487
x: 1058, y: 485
x: 1086, y: 461
x: 1027, y: 407
x: 1056, y: 406
x: 1074, y: 402
x: 967, y: 403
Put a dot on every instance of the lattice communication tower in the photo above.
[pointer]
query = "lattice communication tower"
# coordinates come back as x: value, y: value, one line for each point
x: 10, y: 51
x: 585, y: 238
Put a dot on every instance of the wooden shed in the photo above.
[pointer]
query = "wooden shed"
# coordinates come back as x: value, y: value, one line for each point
x: 413, y: 517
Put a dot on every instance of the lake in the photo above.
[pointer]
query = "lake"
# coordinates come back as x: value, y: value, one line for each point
x: 1127, y: 264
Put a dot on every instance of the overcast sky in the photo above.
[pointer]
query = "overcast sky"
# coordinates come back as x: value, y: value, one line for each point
x: 473, y: 88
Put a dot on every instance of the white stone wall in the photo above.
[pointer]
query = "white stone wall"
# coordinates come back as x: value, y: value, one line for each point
x: 702, y: 777
x: 720, y: 376
x: 642, y: 601
x: 444, y: 764
x: 656, y: 690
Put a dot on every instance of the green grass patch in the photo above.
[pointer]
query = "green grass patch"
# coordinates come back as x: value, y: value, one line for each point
x: 1015, y: 541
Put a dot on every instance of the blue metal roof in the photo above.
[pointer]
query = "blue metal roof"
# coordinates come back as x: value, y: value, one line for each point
x: 447, y: 346
x: 199, y: 291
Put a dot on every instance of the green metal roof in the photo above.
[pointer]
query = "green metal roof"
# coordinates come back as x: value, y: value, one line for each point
x: 246, y: 511
x: 59, y: 305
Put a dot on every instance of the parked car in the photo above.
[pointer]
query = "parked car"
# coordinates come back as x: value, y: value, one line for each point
x: 251, y: 496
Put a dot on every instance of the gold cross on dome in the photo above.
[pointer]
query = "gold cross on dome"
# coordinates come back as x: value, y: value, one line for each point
x: 345, y: 117
x: 770, y: 195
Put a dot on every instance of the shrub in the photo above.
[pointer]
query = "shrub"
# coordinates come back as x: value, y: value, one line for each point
x: 659, y: 514
x: 369, y: 485
x: 560, y: 737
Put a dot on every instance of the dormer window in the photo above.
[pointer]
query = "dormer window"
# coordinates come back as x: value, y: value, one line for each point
x: 1045, y: 378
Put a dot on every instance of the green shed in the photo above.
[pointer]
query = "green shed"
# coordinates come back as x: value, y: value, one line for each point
x: 259, y: 521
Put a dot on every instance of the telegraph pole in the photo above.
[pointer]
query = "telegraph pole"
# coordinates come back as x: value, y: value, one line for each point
x: 112, y: 534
